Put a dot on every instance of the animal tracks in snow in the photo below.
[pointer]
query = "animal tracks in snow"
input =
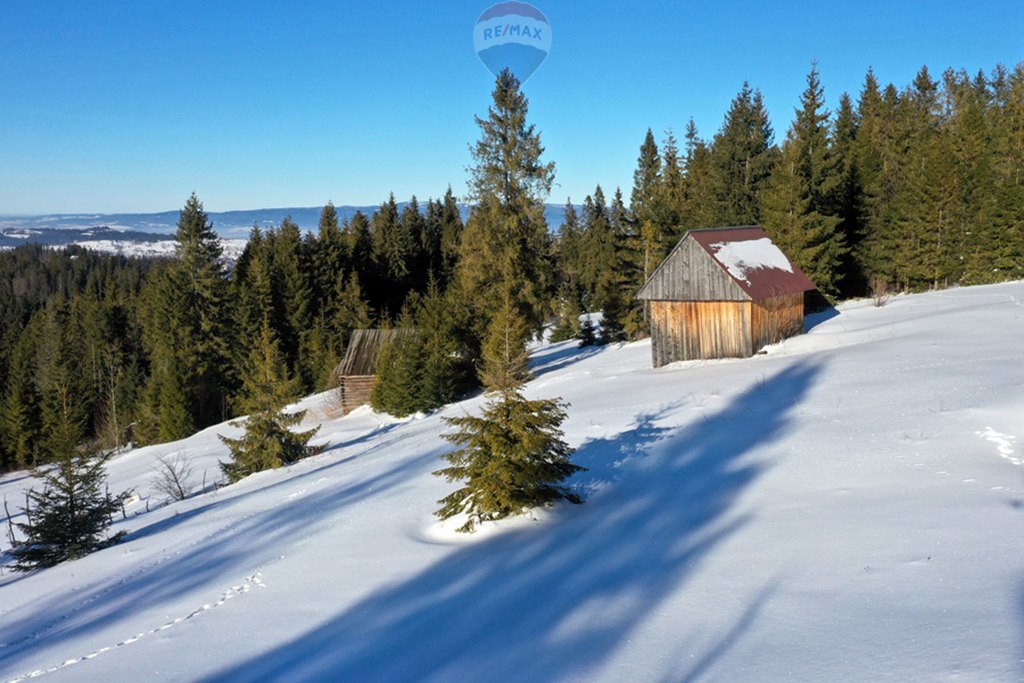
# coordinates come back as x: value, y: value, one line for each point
x: 247, y: 584
x: 1004, y: 444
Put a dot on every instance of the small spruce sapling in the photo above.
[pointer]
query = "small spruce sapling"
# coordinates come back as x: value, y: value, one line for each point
x: 268, y: 442
x: 513, y: 457
x: 69, y: 517
x: 588, y: 335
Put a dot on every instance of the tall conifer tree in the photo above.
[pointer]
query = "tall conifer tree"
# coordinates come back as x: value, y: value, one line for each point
x: 645, y: 204
x: 505, y: 244
x: 800, y: 206
x: 743, y: 156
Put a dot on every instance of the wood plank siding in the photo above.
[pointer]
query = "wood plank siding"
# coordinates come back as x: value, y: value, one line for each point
x: 692, y: 330
x: 690, y: 274
x: 776, y: 318
x: 354, y: 391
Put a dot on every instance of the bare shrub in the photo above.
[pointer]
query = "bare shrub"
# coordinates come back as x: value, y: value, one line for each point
x: 880, y: 290
x: 172, y: 475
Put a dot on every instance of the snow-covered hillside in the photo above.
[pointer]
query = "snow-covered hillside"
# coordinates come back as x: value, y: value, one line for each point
x: 848, y: 506
x: 232, y: 248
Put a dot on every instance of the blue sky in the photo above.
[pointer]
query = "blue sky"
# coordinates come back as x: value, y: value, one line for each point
x: 121, y: 106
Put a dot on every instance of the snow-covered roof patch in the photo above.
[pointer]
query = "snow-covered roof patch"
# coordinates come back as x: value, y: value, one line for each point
x: 739, y: 258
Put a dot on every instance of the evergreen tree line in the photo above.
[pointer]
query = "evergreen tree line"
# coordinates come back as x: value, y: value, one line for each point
x: 909, y: 188
x: 72, y: 363
x: 915, y: 187
x: 149, y: 350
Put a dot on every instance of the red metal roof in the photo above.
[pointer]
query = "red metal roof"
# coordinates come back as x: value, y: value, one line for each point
x: 760, y: 279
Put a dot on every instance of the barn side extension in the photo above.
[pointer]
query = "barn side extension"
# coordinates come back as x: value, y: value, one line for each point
x: 723, y: 293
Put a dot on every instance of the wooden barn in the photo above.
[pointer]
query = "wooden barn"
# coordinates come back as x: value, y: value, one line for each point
x: 357, y: 373
x: 723, y: 293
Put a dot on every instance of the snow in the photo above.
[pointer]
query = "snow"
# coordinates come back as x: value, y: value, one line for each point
x: 162, y: 248
x: 739, y: 258
x: 847, y: 506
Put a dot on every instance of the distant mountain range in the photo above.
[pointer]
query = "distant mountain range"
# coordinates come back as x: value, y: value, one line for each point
x: 59, y: 229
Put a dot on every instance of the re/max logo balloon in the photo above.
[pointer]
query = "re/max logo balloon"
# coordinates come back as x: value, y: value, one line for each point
x: 514, y: 36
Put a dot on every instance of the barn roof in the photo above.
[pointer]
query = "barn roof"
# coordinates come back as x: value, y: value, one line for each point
x: 364, y: 349
x: 746, y: 254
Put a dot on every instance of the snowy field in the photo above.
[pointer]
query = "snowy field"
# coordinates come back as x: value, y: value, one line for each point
x: 848, y: 506
x: 233, y: 248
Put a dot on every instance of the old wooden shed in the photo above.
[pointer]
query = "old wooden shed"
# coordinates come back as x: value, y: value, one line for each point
x: 356, y: 375
x: 723, y: 293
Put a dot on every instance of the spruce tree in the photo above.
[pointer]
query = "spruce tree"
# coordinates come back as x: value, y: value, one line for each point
x: 849, y: 197
x: 175, y: 420
x: 513, y: 456
x: 878, y: 151
x: 627, y: 312
x: 64, y: 389
x: 567, y: 325
x: 505, y: 244
x: 422, y: 242
x: 976, y: 239
x: 742, y: 159
x: 1008, y: 159
x: 68, y: 518
x: 351, y: 311
x: 588, y: 334
x: 200, y: 291
x: 392, y: 249
x: 570, y: 255
x: 447, y: 369
x: 187, y: 329
x: 360, y: 247
x: 800, y: 206
x: 268, y: 387
x: 451, y: 239
x: 699, y: 205
x: 673, y: 193
x: 330, y: 257
x: 645, y: 204
x: 21, y: 404
x: 922, y: 207
x: 399, y: 381
x: 570, y: 264
x: 504, y: 352
x: 292, y: 269
x: 597, y: 248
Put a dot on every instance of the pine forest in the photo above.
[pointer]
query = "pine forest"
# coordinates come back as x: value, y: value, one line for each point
x: 900, y: 188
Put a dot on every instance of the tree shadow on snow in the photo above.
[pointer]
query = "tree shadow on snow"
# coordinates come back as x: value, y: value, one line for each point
x: 561, y: 355
x: 1020, y: 614
x: 212, y: 502
x: 556, y: 601
x: 223, y: 555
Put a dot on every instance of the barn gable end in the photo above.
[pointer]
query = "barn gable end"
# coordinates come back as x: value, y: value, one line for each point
x: 690, y: 273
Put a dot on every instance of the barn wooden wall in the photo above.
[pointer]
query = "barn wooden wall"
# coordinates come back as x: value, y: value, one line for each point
x: 691, y: 330
x: 354, y: 391
x: 776, y: 318
x: 699, y: 330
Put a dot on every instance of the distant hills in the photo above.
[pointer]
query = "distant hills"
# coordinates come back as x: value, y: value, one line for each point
x: 57, y: 229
